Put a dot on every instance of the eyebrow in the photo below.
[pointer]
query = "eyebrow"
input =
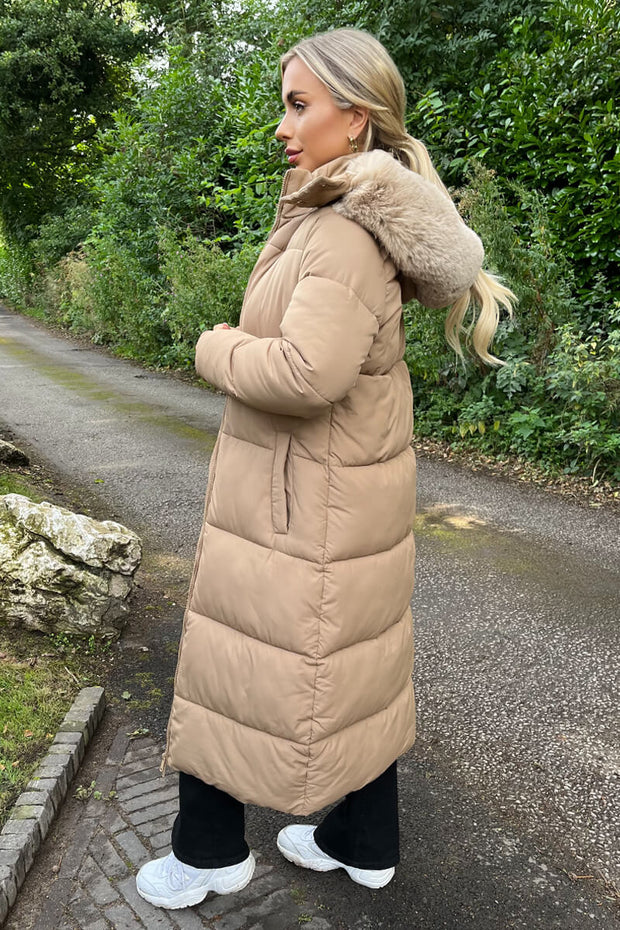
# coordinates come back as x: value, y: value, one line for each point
x: 295, y: 93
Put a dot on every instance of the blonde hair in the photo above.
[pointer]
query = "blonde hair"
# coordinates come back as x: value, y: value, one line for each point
x: 358, y: 71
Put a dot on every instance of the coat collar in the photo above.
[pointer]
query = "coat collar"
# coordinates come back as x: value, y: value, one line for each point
x: 436, y: 256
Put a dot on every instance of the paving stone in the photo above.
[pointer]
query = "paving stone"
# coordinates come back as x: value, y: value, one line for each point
x: 160, y: 851
x: 152, y: 917
x: 139, y: 748
x: 83, y: 909
x: 112, y: 822
x: 99, y: 888
x: 146, y: 787
x: 121, y: 918
x: 151, y: 828
x: 257, y: 888
x: 159, y: 810
x: 129, y: 779
x: 98, y: 925
x: 107, y: 858
x: 151, y: 799
x: 142, y: 765
x: 135, y: 851
x: 160, y: 839
x: 186, y: 918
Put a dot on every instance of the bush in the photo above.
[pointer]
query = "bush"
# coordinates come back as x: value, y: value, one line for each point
x: 118, y: 301
x: 544, y: 115
x: 556, y: 399
x: 204, y: 286
x: 16, y: 274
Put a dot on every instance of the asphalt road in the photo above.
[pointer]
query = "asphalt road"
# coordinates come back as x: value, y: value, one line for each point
x: 511, y: 797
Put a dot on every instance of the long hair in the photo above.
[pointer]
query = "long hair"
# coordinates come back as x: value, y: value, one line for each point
x: 358, y: 71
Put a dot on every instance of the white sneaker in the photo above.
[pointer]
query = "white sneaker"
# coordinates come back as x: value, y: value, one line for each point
x: 296, y: 843
x: 170, y: 883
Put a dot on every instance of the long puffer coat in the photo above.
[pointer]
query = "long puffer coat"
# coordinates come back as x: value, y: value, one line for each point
x: 293, y: 684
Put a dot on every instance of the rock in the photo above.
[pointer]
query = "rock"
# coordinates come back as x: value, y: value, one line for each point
x: 62, y: 572
x: 11, y: 455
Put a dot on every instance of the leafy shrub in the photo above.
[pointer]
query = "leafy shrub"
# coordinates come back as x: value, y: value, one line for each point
x: 544, y: 115
x: 204, y: 286
x: 119, y: 301
x: 16, y: 274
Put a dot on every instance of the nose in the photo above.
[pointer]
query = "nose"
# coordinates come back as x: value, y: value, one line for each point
x: 282, y: 132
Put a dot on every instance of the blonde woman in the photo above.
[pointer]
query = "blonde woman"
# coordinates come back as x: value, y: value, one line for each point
x: 293, y: 688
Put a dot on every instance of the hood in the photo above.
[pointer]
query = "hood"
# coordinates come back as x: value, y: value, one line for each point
x: 436, y: 255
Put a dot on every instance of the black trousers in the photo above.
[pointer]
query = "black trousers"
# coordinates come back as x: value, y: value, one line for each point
x: 361, y: 831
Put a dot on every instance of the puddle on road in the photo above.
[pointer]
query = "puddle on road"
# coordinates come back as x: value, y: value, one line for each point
x: 508, y: 552
x: 80, y: 384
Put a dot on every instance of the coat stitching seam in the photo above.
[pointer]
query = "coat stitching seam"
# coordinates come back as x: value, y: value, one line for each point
x: 302, y: 558
x: 321, y: 608
x: 288, y: 739
x: 294, y: 652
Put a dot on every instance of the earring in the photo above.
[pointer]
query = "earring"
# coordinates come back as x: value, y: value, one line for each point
x: 353, y: 144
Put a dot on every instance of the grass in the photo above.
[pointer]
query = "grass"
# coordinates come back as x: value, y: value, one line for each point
x: 39, y: 678
x: 13, y: 483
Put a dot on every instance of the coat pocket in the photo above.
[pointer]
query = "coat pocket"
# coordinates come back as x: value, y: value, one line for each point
x: 281, y: 483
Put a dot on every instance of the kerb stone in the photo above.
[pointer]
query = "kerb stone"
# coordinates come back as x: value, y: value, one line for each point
x: 8, y: 885
x: 42, y: 813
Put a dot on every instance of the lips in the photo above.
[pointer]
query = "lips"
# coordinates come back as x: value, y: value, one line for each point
x: 292, y: 155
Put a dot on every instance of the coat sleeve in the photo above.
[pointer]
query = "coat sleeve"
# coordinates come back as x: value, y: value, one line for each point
x: 327, y: 332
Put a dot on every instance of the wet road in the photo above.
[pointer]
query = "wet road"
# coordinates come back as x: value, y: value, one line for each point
x: 511, y: 797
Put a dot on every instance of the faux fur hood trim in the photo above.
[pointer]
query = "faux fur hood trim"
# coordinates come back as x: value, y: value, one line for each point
x: 437, y: 256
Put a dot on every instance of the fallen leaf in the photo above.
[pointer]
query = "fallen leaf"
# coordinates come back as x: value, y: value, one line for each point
x: 141, y: 731
x: 28, y: 734
x: 126, y: 695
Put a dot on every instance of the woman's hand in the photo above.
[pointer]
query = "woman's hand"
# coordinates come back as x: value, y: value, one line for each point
x: 221, y: 326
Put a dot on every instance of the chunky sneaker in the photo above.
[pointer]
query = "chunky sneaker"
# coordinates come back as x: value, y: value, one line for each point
x: 296, y: 843
x: 170, y: 883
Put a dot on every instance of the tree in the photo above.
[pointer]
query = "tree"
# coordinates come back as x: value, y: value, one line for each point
x: 64, y: 67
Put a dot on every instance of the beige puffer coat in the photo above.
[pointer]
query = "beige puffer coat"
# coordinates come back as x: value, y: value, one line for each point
x: 294, y: 685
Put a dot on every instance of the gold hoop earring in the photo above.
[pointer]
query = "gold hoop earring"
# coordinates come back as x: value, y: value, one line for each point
x: 353, y: 144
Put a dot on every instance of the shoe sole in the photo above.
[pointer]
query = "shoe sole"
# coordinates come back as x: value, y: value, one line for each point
x: 318, y: 865
x: 199, y: 894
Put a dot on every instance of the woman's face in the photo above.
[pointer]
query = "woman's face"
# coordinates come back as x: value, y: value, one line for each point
x: 314, y: 129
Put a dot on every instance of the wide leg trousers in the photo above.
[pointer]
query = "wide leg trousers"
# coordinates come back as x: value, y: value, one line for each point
x: 361, y: 831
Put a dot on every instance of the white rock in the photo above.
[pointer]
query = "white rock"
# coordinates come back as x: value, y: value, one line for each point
x: 63, y: 572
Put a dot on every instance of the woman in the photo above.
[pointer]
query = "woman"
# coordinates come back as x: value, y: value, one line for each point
x: 293, y: 687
